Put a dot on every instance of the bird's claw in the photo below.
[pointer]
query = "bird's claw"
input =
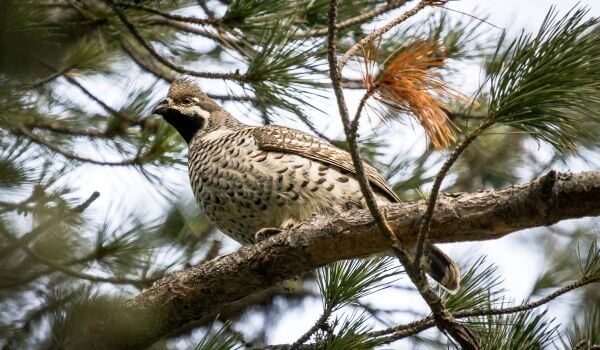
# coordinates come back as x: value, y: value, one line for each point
x: 266, y: 232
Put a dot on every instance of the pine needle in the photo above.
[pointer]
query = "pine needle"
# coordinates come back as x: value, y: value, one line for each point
x: 547, y: 84
x: 408, y: 82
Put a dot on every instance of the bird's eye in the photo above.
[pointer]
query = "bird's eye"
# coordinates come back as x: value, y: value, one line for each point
x: 163, y: 102
x: 187, y: 101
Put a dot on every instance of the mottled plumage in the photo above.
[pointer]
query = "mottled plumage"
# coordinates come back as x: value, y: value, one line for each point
x: 248, y: 178
x: 282, y: 139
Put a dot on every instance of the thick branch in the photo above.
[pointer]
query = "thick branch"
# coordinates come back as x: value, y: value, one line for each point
x: 188, y: 295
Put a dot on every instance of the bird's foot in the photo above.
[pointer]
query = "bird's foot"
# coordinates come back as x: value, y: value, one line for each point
x: 266, y: 232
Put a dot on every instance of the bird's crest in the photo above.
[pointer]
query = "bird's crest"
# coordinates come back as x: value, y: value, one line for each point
x: 184, y: 86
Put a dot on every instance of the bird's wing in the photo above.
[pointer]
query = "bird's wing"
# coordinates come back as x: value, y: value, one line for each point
x: 287, y: 140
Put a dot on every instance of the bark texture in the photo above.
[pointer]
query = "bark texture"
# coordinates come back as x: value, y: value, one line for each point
x: 189, y: 295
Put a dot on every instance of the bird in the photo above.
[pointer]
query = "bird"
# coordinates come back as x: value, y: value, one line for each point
x: 255, y: 181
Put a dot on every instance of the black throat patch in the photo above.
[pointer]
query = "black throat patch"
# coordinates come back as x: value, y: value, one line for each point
x: 185, y: 125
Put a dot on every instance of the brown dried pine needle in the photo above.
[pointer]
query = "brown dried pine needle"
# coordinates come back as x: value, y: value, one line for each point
x: 408, y: 82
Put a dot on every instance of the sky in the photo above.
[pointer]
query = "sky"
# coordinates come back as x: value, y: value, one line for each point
x: 517, y: 263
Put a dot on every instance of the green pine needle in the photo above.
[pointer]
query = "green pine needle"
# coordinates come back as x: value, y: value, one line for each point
x: 282, y: 72
x: 247, y: 14
x: 282, y: 60
x: 584, y: 328
x: 13, y: 172
x: 118, y: 249
x: 590, y: 266
x: 523, y: 331
x: 344, y: 281
x: 460, y: 38
x: 350, y: 332
x: 547, y: 85
x: 219, y: 339
x: 480, y: 287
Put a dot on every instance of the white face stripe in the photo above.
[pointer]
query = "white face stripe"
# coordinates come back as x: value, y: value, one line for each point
x: 199, y: 111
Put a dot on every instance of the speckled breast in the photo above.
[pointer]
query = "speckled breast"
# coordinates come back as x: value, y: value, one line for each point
x: 242, y: 188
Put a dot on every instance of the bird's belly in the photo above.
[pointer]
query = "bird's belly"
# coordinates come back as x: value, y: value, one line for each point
x: 259, y: 189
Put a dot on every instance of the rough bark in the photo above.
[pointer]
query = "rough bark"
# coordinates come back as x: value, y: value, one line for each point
x: 190, y: 294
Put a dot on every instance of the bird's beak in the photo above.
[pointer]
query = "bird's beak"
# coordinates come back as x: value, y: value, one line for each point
x: 162, y: 108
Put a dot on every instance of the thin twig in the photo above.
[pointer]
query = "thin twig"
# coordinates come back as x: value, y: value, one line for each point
x: 460, y: 115
x: 147, y: 66
x: 442, y: 316
x: 103, y: 104
x: 184, y: 27
x: 61, y: 129
x: 509, y: 310
x: 45, y: 225
x: 166, y: 75
x: 19, y: 206
x: 83, y: 206
x: 74, y: 273
x: 209, y: 13
x: 346, y: 84
x: 426, y: 221
x: 137, y: 160
x: 360, y: 19
x: 361, y: 105
x: 319, y: 324
x: 581, y: 344
x: 380, y: 31
x: 187, y: 19
x: 223, y: 36
x: 48, y: 79
x: 415, y: 327
x: 65, y: 73
x: 138, y: 37
x: 351, y: 136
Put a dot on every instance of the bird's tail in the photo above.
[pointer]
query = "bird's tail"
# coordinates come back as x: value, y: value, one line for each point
x: 442, y: 269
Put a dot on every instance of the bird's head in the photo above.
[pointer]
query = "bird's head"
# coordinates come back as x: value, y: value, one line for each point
x: 187, y: 108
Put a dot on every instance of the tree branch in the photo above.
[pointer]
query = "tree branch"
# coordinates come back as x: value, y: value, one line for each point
x: 386, y: 28
x: 167, y: 75
x: 444, y: 319
x: 319, y: 324
x: 188, y: 295
x: 360, y: 19
x: 187, y: 19
x: 429, y: 322
x: 48, y: 223
x: 40, y: 140
x: 437, y: 184
x: 146, y: 45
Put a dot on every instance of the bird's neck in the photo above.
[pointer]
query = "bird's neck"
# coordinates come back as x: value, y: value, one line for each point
x: 218, y: 122
x: 221, y: 119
